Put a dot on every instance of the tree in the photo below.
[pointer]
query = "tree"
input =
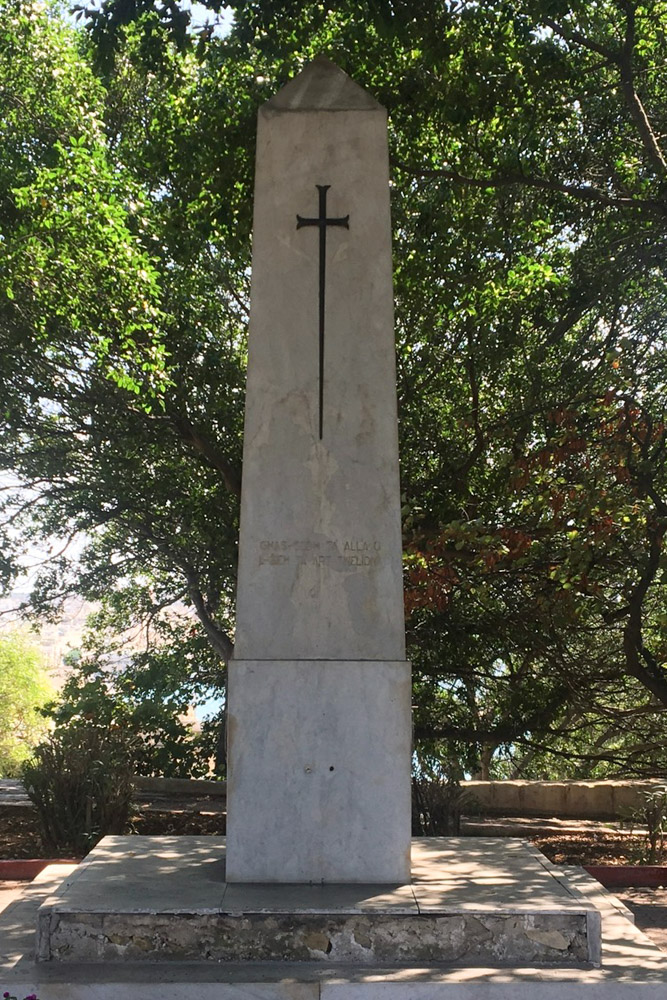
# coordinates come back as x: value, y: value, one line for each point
x: 529, y: 214
x: 86, y: 412
x: 24, y: 689
x: 148, y: 691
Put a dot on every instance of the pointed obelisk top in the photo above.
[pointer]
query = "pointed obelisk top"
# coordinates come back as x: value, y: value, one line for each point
x: 322, y: 86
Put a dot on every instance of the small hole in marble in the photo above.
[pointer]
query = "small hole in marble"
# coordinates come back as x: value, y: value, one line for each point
x: 331, y: 768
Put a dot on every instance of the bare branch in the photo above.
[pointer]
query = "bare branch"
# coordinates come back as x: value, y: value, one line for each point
x: 209, y: 451
x: 572, y: 35
x: 55, y: 555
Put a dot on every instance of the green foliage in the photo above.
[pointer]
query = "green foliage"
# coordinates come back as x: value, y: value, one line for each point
x: 80, y: 781
x: 529, y: 196
x: 93, y: 438
x: 76, y: 286
x: 149, y: 695
x: 24, y: 690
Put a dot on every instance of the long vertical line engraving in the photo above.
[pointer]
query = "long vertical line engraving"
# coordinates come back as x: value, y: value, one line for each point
x: 322, y: 222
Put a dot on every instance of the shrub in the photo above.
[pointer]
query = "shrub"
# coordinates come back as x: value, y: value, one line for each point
x: 80, y: 781
x: 151, y: 697
x: 654, y: 814
x: 436, y: 806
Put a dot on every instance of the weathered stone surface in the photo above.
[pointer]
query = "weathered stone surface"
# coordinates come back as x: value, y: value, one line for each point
x: 368, y: 939
x: 319, y: 779
x: 324, y: 748
x: 320, y: 541
x: 496, y: 903
x: 324, y: 86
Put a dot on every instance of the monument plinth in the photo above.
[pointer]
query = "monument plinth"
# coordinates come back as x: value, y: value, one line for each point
x: 319, y: 689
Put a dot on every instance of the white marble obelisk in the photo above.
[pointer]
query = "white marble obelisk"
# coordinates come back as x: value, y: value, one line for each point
x: 319, y: 688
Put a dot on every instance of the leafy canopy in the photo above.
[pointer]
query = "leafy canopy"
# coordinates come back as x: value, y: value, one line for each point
x: 529, y: 208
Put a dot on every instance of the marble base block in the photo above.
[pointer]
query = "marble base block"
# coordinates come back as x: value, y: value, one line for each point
x: 166, y: 899
x: 319, y: 780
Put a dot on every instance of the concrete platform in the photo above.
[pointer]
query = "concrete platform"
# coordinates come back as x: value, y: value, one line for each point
x: 166, y: 898
x: 632, y: 968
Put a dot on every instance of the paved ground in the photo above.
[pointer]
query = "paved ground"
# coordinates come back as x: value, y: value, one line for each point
x: 9, y: 891
x: 650, y: 909
x: 13, y: 794
x: 535, y: 826
x: 632, y: 969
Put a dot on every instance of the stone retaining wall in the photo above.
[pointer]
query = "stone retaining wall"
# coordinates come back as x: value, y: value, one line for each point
x: 595, y: 800
x: 180, y: 786
x: 604, y: 800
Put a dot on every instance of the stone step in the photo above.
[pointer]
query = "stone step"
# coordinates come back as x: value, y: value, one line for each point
x: 157, y: 898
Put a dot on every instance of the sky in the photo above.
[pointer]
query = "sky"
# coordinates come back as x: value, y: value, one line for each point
x: 200, y: 14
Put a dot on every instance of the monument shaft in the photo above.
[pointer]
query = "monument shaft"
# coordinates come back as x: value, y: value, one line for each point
x: 319, y: 689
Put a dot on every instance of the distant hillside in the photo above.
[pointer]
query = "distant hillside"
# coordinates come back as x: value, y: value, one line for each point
x: 55, y: 639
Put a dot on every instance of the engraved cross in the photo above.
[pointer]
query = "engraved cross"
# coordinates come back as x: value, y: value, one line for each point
x: 322, y: 222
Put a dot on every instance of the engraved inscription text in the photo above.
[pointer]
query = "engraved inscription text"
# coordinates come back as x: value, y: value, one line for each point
x: 339, y: 554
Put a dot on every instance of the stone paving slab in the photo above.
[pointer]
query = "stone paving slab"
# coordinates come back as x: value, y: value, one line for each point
x: 12, y: 793
x: 632, y: 969
x: 10, y: 891
x: 649, y: 906
x: 166, y: 898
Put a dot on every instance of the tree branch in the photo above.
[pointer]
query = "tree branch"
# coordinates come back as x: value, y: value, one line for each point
x: 208, y: 450
x: 571, y: 35
x: 622, y: 59
x: 584, y: 192
x: 647, y: 672
x: 480, y: 439
x: 632, y: 99
x: 218, y: 638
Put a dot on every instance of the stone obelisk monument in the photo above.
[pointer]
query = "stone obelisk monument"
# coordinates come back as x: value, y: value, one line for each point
x: 319, y: 688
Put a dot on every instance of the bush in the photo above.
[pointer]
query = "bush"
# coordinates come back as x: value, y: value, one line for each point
x: 654, y: 814
x: 80, y: 780
x: 436, y: 806
x: 151, y: 697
